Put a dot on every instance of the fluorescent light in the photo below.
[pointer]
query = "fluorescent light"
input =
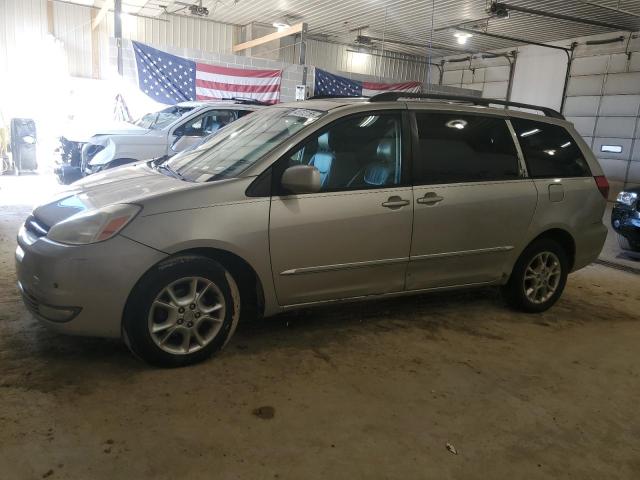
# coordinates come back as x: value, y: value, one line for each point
x: 462, y: 37
x: 550, y: 152
x: 565, y: 145
x: 530, y: 132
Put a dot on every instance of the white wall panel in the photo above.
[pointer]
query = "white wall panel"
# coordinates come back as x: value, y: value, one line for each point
x: 72, y: 26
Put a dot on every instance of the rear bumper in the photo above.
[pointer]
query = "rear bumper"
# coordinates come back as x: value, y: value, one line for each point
x: 589, y: 243
x: 92, y: 281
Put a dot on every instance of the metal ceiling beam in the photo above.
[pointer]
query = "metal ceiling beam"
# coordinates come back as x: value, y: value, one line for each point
x: 509, y: 39
x: 560, y: 16
x: 441, y: 47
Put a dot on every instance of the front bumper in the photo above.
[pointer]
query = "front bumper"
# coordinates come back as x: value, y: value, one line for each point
x: 93, y: 280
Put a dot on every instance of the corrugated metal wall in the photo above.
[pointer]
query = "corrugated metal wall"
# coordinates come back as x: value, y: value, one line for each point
x: 72, y: 26
x: 335, y: 57
x: 21, y: 22
x: 179, y: 32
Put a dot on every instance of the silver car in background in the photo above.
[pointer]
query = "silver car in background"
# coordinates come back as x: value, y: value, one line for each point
x: 319, y: 201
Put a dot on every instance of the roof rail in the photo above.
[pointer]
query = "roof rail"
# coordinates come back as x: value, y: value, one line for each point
x: 393, y: 96
x: 324, y: 96
x: 246, y: 101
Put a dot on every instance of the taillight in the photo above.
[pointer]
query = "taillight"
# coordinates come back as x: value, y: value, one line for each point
x: 603, y: 185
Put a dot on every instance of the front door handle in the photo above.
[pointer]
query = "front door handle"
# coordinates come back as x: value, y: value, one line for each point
x: 395, y: 202
x: 430, y: 199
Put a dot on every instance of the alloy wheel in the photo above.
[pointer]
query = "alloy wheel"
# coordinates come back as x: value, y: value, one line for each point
x: 186, y: 315
x: 542, y: 277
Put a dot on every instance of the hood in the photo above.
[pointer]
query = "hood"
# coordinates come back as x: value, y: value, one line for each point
x: 81, y: 132
x: 130, y: 184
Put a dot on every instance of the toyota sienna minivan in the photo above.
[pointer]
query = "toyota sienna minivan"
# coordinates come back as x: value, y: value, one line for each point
x: 313, y: 202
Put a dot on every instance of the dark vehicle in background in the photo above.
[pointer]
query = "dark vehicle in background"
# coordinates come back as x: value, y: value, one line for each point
x: 23, y: 144
x: 625, y: 220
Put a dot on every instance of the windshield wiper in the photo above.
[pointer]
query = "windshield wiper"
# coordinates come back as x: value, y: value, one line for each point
x: 173, y: 173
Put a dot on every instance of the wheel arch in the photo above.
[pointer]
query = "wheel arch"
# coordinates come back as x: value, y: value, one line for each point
x: 563, y: 238
x: 249, y: 283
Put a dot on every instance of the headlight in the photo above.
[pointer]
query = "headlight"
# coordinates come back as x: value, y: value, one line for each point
x: 627, y: 198
x: 93, y: 226
x: 104, y: 155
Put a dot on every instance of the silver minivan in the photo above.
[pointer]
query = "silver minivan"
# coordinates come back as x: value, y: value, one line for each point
x: 318, y: 201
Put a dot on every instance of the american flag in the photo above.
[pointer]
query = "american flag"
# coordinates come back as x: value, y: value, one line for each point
x: 171, y: 79
x: 329, y: 84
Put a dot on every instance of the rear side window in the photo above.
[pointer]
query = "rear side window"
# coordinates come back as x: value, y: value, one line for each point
x: 455, y: 148
x: 549, y: 150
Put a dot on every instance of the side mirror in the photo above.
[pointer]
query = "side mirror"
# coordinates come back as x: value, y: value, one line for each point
x: 301, y: 179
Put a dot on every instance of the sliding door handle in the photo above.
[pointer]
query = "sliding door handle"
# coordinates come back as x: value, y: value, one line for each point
x: 430, y: 199
x: 395, y: 202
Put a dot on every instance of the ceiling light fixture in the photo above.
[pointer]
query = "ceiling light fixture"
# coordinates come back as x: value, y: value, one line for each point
x: 462, y: 37
x: 281, y: 25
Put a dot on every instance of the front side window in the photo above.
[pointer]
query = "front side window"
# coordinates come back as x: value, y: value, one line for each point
x: 207, y: 123
x: 359, y: 152
x: 163, y: 118
x: 241, y: 144
x: 455, y: 148
x: 549, y: 150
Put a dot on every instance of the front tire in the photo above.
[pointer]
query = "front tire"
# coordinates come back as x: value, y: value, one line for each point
x: 182, y: 311
x: 538, y: 278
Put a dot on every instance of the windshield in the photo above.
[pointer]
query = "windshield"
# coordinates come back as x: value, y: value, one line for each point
x: 241, y: 144
x: 161, y: 119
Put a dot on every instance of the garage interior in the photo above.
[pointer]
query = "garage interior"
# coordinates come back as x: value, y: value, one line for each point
x: 439, y: 385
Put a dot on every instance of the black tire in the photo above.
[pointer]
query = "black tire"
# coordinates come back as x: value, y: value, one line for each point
x: 514, y: 291
x: 136, y: 329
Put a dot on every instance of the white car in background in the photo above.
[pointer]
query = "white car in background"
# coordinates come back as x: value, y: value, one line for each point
x: 160, y: 134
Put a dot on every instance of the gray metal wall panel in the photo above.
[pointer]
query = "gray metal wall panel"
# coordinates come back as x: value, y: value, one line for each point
x: 633, y: 179
x: 495, y: 90
x: 620, y: 127
x: 582, y: 106
x: 623, y: 83
x: 620, y: 105
x: 585, y: 85
x: 615, y: 171
x: 584, y: 125
x: 590, y: 65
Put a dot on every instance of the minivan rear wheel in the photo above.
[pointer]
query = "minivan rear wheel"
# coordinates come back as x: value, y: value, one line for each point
x: 182, y: 311
x: 538, y: 278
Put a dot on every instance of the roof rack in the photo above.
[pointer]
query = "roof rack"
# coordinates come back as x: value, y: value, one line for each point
x: 393, y: 96
x: 324, y: 96
x: 246, y: 101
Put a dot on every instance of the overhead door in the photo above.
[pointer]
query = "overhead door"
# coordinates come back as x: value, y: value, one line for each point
x: 603, y: 102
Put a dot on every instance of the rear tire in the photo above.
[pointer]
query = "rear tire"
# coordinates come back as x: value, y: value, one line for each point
x: 538, y: 277
x: 181, y: 312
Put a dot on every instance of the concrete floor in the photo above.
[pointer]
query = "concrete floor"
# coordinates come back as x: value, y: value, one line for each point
x: 373, y: 390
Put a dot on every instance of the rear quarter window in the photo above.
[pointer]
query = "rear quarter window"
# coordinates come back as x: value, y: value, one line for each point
x: 549, y: 150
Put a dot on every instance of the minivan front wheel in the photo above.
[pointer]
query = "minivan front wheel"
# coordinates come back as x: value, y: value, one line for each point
x: 538, y: 278
x: 182, y: 311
